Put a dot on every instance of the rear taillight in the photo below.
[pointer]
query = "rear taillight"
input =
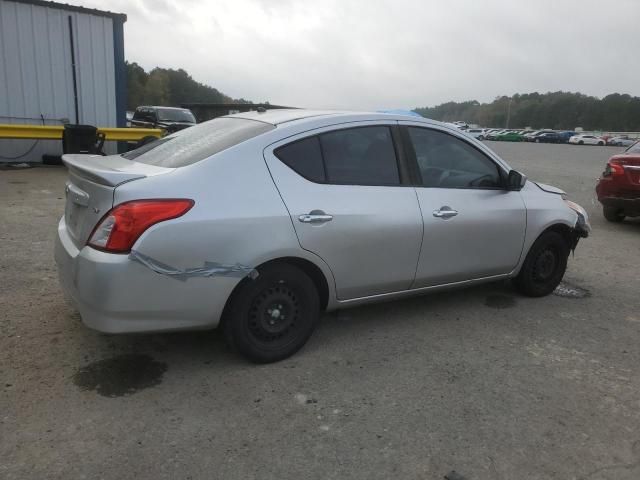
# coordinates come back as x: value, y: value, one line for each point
x: 122, y: 225
x: 614, y: 169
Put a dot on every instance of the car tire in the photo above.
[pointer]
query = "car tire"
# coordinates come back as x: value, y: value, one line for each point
x: 537, y: 140
x: 613, y: 214
x: 481, y: 138
x: 544, y: 266
x: 272, y: 317
x: 580, y: 142
x: 600, y: 144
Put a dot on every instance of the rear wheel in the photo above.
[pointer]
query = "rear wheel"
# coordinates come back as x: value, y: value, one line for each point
x: 544, y: 266
x: 613, y: 214
x: 600, y: 144
x: 272, y: 317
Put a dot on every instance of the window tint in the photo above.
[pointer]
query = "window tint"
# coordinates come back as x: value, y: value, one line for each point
x: 198, y: 142
x: 360, y: 156
x: 304, y: 157
x: 448, y: 162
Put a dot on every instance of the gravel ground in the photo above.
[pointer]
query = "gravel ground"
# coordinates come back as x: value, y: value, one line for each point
x: 481, y: 381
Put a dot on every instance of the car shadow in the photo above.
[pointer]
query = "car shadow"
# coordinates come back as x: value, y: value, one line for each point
x: 208, y: 347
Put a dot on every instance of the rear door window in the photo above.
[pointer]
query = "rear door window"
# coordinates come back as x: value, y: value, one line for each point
x: 360, y: 156
x: 352, y: 156
x: 196, y: 143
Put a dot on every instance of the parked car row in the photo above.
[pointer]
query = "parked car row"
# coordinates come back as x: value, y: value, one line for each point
x: 547, y: 136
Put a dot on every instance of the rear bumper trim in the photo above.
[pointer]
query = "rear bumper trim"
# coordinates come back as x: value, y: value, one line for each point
x: 117, y: 295
x: 622, y: 203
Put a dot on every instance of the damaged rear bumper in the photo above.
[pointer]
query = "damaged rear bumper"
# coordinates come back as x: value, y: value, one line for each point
x: 116, y: 294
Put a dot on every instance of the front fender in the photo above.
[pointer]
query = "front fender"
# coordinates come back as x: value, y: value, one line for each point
x: 544, y: 211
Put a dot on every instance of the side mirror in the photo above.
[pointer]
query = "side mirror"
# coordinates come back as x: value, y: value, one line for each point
x: 516, y: 181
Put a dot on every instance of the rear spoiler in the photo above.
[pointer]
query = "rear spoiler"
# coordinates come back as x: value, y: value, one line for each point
x: 111, y: 170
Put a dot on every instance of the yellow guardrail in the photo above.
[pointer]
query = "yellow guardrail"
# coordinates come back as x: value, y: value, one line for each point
x: 54, y: 132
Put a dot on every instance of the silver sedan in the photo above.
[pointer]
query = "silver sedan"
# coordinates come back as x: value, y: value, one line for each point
x: 257, y: 222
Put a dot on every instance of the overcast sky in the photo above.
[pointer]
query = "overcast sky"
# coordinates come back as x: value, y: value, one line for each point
x: 373, y: 54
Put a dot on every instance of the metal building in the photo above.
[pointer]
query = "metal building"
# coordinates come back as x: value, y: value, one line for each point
x: 59, y: 64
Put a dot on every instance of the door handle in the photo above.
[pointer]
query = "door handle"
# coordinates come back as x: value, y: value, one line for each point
x: 445, y: 212
x: 315, y: 216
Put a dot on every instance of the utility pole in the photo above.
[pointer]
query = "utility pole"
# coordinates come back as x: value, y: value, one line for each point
x: 509, y: 112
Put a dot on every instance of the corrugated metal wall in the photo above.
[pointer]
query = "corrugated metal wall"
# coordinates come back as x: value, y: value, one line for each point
x: 36, y: 83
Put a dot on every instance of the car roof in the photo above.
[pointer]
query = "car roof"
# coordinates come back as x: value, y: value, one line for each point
x: 292, y: 122
x: 279, y: 116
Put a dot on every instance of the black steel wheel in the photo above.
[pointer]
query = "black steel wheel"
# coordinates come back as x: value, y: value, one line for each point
x: 544, y: 266
x: 272, y: 317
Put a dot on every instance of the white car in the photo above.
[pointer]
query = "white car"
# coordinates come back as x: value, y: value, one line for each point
x: 478, y: 133
x: 621, y: 141
x: 586, y: 140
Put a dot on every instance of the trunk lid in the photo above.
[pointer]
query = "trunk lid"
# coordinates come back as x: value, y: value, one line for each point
x: 90, y: 187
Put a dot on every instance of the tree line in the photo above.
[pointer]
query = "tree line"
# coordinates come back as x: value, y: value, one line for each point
x: 168, y: 87
x: 555, y: 110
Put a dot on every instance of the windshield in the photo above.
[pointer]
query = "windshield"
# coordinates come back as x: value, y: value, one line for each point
x: 635, y: 148
x: 175, y: 115
x: 198, y: 142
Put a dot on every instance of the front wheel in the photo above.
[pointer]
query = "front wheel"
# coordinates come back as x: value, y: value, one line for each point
x: 613, y: 214
x: 272, y: 317
x: 600, y: 144
x: 544, y: 266
x: 580, y: 142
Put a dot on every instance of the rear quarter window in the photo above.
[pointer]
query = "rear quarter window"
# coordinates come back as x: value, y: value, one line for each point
x: 304, y: 157
x: 196, y: 143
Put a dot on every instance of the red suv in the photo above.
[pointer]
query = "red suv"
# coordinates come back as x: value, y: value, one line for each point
x: 618, y: 188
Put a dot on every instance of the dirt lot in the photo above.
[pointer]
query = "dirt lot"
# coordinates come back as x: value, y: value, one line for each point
x: 481, y: 381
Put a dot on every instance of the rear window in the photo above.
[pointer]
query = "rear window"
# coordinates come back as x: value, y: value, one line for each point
x: 198, y: 142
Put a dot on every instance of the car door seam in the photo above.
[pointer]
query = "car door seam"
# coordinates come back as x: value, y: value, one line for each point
x: 415, y: 273
x: 286, y: 207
